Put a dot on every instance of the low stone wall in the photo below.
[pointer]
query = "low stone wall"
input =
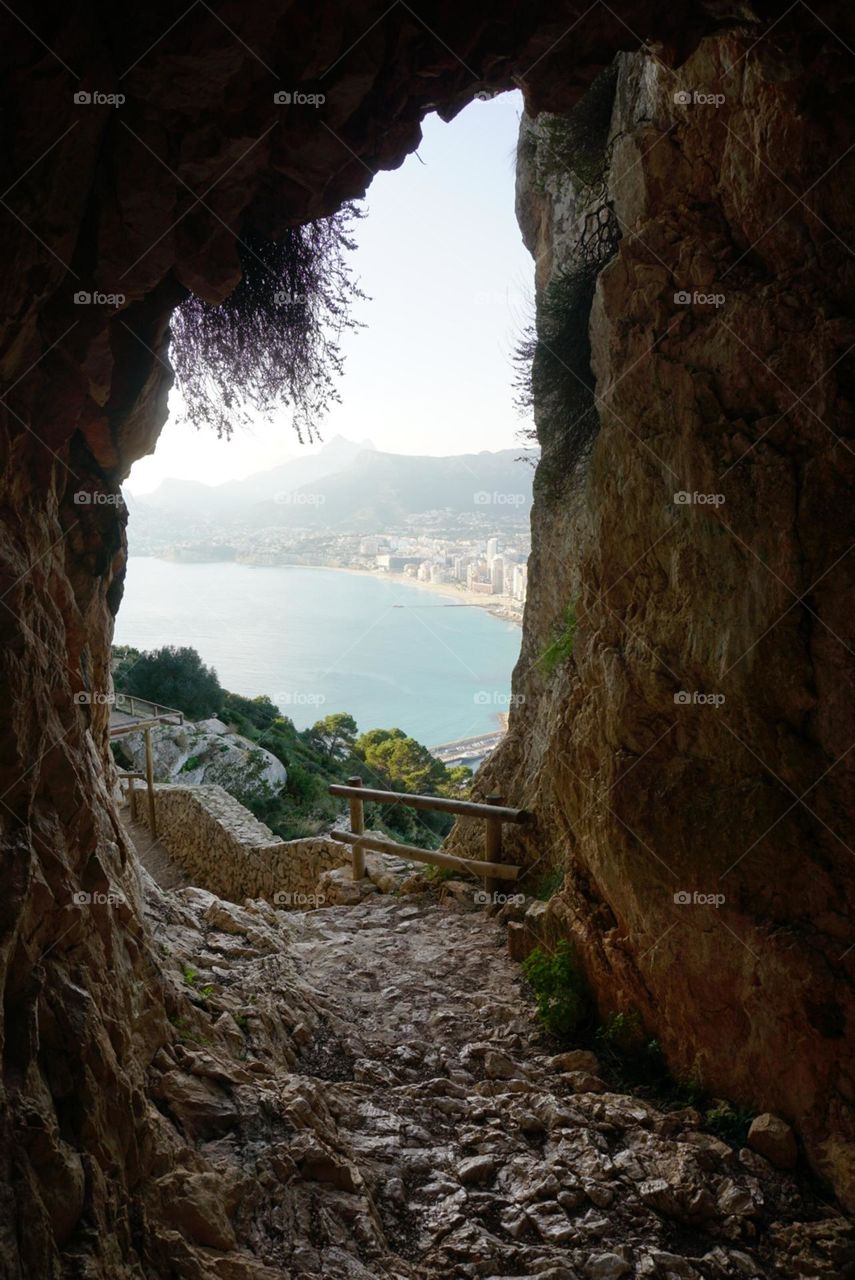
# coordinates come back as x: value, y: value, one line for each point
x: 230, y: 853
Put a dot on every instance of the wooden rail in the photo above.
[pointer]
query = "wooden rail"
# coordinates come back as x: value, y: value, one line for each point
x: 153, y: 709
x: 495, y: 813
x: 144, y: 727
x: 131, y: 778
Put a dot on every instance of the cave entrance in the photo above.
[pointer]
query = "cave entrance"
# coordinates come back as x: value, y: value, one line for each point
x: 420, y: 490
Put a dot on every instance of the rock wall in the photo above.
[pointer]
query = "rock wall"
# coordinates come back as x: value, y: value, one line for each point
x: 230, y: 853
x: 690, y: 764
x: 206, y: 753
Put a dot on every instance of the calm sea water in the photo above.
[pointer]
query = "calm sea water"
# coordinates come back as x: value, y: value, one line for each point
x: 318, y: 641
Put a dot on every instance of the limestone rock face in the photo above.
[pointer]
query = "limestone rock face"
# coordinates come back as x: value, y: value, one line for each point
x: 689, y: 764
x: 207, y: 753
x: 145, y: 199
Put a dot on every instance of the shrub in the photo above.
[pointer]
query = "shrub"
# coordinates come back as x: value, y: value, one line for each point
x: 174, y: 677
x: 560, y: 648
x: 549, y: 884
x: 552, y: 359
x: 731, y: 1124
x: 559, y: 988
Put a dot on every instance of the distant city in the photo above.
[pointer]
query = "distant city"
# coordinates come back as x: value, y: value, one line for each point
x: 491, y: 572
x: 355, y: 517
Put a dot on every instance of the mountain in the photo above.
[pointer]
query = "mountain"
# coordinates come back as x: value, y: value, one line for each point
x: 233, y: 499
x: 344, y: 488
x: 379, y: 490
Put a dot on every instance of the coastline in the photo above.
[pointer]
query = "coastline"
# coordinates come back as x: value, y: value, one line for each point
x: 495, y: 605
x: 459, y: 595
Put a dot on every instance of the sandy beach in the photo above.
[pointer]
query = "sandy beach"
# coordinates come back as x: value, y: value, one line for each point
x: 448, y: 590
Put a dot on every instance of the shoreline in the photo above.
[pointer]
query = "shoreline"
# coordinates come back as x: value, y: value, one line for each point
x: 495, y: 605
x: 471, y: 599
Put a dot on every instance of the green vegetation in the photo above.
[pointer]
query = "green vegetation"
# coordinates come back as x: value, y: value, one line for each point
x: 438, y: 875
x: 553, y: 357
x: 172, y: 676
x: 191, y: 977
x: 332, y: 750
x: 560, y: 647
x: 548, y: 884
x: 186, y: 1033
x: 578, y: 142
x: 633, y: 1061
x: 559, y: 988
x: 731, y: 1124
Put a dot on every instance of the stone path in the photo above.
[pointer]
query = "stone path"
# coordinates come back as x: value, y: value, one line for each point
x: 160, y: 865
x: 390, y: 1097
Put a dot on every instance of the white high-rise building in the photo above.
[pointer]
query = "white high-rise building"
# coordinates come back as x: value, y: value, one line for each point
x: 492, y: 549
x: 497, y: 575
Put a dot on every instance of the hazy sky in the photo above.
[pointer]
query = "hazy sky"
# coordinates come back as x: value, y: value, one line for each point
x: 450, y: 288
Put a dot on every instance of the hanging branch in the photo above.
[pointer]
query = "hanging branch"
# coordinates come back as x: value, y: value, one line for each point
x: 275, y: 339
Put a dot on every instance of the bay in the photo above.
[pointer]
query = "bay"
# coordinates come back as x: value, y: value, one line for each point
x: 318, y: 641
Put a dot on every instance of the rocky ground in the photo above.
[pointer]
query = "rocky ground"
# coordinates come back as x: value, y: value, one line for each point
x: 363, y: 1091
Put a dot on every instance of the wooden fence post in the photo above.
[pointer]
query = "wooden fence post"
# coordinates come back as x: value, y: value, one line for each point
x: 149, y: 777
x: 132, y: 808
x: 357, y: 826
x: 493, y: 846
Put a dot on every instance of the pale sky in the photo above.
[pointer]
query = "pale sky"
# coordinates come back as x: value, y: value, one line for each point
x: 450, y: 288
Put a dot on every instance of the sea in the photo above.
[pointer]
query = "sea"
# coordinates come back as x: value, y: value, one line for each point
x: 318, y: 641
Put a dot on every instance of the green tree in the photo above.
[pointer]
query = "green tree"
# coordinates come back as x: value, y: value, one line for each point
x: 335, y: 735
x: 174, y: 677
x: 124, y: 656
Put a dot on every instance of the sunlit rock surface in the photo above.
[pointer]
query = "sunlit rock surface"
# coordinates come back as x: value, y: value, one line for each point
x: 689, y: 764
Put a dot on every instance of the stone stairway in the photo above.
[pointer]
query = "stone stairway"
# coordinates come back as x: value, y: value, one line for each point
x: 159, y: 863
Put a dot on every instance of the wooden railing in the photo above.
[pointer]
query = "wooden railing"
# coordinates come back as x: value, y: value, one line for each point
x: 131, y: 704
x: 144, y: 727
x: 131, y: 778
x: 495, y: 813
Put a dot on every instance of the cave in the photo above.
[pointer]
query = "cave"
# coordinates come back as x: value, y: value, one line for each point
x: 690, y: 771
